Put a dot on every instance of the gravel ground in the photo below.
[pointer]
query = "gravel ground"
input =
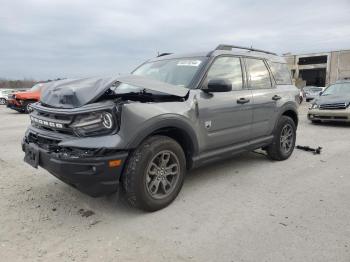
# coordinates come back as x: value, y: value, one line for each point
x: 244, y: 209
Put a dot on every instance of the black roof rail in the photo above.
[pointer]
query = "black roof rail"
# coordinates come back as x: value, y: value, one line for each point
x: 230, y: 47
x: 164, y: 54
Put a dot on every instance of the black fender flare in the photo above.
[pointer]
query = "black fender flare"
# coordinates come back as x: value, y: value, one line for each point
x: 289, y: 106
x: 165, y: 121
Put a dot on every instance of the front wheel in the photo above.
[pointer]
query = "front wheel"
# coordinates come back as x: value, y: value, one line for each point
x: 154, y: 173
x: 27, y: 107
x: 283, y: 142
x: 2, y: 101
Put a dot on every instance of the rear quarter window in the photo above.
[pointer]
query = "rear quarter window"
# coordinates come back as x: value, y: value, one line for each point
x: 280, y: 73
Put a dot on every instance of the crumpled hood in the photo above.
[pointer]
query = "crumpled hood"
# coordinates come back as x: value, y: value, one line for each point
x: 78, y: 92
x: 332, y: 99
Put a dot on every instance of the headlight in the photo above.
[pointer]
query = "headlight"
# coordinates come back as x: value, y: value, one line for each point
x: 107, y: 120
x: 314, y: 106
x: 97, y: 123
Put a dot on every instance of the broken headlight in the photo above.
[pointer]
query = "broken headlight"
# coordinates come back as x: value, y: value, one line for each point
x: 96, y: 123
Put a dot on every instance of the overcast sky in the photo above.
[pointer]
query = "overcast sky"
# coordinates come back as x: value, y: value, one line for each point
x: 75, y: 38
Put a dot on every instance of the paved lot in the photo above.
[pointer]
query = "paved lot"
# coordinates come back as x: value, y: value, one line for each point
x: 244, y: 209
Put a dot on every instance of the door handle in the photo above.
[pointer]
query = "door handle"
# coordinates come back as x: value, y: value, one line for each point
x: 276, y: 97
x: 242, y: 100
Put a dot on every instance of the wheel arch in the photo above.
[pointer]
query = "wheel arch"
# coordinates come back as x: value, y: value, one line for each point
x: 175, y: 128
x: 293, y: 115
x: 291, y: 111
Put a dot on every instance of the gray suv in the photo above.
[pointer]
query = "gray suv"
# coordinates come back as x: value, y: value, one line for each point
x: 171, y: 114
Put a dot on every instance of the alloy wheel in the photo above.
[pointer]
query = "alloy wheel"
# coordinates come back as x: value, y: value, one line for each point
x: 286, y: 138
x: 29, y: 108
x: 162, y: 174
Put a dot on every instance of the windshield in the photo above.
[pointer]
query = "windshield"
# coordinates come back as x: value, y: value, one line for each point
x: 337, y: 89
x: 179, y: 72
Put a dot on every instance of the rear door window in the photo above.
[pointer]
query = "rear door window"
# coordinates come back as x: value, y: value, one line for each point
x: 280, y: 73
x: 258, y: 74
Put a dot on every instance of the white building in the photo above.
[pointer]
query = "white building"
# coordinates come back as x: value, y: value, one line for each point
x: 319, y: 69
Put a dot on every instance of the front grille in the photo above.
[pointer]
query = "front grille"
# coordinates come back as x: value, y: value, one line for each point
x: 334, y: 106
x: 52, y: 122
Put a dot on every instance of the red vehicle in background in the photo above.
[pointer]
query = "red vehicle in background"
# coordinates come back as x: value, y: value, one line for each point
x: 21, y: 101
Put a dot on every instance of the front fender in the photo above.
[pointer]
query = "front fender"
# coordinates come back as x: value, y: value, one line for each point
x: 289, y: 106
x: 163, y: 121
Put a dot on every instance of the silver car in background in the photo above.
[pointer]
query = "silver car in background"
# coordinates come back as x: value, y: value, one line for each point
x: 311, y: 92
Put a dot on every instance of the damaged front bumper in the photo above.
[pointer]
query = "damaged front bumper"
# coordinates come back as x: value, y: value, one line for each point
x: 90, y: 172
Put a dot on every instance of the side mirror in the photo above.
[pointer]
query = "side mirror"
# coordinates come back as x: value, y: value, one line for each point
x: 320, y: 93
x: 218, y: 85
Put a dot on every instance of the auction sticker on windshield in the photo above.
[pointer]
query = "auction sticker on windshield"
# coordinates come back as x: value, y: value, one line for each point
x: 189, y: 63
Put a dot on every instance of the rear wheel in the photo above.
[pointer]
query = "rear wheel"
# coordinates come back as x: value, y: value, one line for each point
x: 283, y: 142
x: 154, y: 173
x: 2, y: 101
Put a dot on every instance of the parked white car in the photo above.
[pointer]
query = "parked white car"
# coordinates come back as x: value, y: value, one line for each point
x: 4, y: 93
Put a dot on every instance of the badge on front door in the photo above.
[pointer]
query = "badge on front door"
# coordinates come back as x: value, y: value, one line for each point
x: 207, y: 124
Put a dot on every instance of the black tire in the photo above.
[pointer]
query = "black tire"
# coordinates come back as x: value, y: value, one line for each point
x: 276, y: 150
x: 136, y: 176
x: 26, y: 105
x: 2, y: 101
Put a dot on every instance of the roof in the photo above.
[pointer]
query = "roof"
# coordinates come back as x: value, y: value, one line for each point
x: 216, y: 52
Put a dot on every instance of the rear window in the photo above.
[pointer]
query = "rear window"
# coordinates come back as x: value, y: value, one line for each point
x: 316, y: 89
x: 281, y: 73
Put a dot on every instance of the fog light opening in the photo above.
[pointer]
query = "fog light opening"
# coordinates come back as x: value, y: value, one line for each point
x: 114, y: 163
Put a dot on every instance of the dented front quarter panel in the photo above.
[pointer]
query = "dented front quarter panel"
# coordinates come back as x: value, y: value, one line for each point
x: 141, y: 119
